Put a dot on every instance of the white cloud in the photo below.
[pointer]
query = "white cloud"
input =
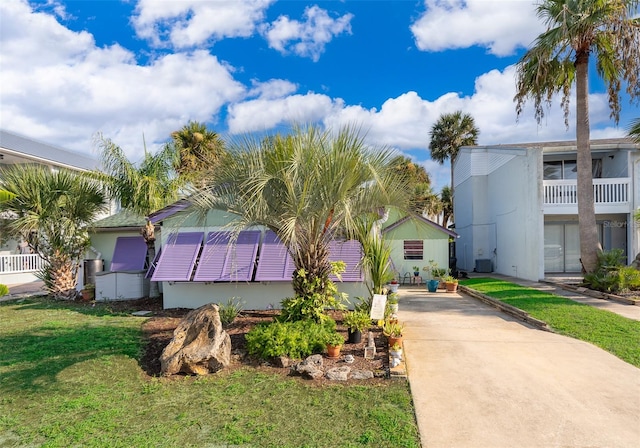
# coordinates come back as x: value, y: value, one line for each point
x: 309, y: 37
x: 501, y: 26
x: 59, y: 87
x: 190, y: 23
x: 274, y: 88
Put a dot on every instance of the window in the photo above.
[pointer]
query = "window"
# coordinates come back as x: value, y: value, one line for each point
x: 413, y: 249
x: 568, y: 169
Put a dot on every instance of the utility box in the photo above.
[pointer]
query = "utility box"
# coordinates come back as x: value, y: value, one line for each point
x: 91, y: 268
x: 484, y: 265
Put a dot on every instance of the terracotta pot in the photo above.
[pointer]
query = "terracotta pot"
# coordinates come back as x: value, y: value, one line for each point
x: 451, y: 286
x: 87, y: 295
x: 333, y: 351
x: 394, y: 340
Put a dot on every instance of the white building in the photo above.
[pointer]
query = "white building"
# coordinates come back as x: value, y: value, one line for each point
x: 516, y: 211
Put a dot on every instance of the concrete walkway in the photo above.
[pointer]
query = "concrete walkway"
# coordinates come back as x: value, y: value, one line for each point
x: 481, y: 379
x: 18, y: 291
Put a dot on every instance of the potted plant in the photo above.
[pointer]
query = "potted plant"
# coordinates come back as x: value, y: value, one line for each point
x: 88, y: 293
x: 393, y: 331
x: 392, y: 300
x: 334, y: 343
x: 434, y: 273
x: 357, y: 322
x: 450, y: 283
x: 416, y: 271
x: 393, y: 285
x: 395, y: 351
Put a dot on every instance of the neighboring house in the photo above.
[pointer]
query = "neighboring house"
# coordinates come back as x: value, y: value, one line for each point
x: 196, y: 264
x: 516, y: 211
x: 15, y: 149
x: 416, y: 241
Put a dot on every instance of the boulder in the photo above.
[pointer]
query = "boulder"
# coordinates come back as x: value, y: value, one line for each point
x: 362, y: 374
x: 338, y: 373
x: 310, y: 367
x: 199, y: 346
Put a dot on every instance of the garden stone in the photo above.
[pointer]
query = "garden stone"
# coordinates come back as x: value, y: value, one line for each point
x: 362, y: 374
x: 199, y: 346
x: 338, y: 373
x: 310, y: 367
x: 282, y: 361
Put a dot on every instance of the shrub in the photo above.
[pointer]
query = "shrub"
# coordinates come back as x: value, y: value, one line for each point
x: 4, y: 290
x: 230, y: 310
x: 293, y: 339
x: 357, y: 320
x: 611, y: 275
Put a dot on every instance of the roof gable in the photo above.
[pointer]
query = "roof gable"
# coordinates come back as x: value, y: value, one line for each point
x: 406, y: 220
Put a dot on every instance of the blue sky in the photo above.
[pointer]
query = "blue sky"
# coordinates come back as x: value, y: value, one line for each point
x: 71, y: 69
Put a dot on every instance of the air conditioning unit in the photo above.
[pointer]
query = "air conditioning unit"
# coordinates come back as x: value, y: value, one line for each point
x: 484, y: 265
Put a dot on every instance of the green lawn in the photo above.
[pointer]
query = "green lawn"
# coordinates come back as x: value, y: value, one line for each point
x: 612, y: 332
x: 69, y: 376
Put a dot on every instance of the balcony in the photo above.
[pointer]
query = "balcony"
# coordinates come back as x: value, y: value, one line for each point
x: 611, y: 195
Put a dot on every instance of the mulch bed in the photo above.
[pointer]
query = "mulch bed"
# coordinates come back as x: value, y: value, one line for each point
x: 158, y: 331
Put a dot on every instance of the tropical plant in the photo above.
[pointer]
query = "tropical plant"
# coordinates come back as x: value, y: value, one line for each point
x: 357, y: 320
x: 634, y: 130
x: 293, y: 339
x: 448, y: 134
x: 230, y: 310
x: 376, y: 260
x: 142, y: 188
x: 611, y: 275
x: 334, y: 339
x: 392, y: 328
x: 4, y: 290
x: 446, y: 202
x: 577, y: 30
x: 53, y: 212
x: 198, y: 151
x: 309, y: 187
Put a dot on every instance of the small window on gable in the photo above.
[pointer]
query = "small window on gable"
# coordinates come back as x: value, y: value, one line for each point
x: 413, y: 249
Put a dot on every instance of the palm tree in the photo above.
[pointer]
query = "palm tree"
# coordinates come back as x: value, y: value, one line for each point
x: 450, y: 133
x: 142, y: 188
x: 198, y: 150
x: 418, y: 182
x: 53, y: 211
x: 634, y: 130
x: 308, y: 187
x: 446, y: 204
x: 577, y: 30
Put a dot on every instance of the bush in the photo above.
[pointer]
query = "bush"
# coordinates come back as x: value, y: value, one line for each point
x: 230, y: 310
x: 4, y: 290
x: 293, y: 339
x: 611, y: 275
x: 357, y: 320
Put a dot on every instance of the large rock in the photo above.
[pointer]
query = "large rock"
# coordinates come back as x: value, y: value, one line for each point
x: 338, y: 373
x: 199, y: 346
x: 310, y: 367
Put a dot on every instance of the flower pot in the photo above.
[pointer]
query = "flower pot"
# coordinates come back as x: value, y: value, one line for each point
x: 393, y: 287
x: 432, y: 285
x: 333, y: 351
x: 355, y: 336
x: 393, y: 340
x: 87, y: 295
x: 393, y: 308
x: 416, y: 273
x: 451, y: 286
x: 396, y: 353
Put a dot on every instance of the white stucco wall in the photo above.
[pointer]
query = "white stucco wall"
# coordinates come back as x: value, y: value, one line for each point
x: 498, y: 211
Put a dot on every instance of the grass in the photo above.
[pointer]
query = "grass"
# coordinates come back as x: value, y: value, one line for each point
x: 614, y: 333
x: 70, y: 376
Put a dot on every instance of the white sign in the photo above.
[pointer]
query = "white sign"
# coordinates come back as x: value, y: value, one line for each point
x: 377, y: 306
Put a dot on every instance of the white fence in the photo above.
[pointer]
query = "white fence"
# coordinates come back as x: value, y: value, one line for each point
x: 11, y: 264
x: 605, y: 191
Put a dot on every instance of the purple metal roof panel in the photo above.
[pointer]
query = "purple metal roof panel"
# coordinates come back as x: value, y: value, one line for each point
x: 351, y: 253
x: 130, y: 254
x: 275, y: 263
x: 178, y: 257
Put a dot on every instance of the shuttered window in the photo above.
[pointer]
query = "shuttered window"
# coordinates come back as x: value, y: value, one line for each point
x: 413, y: 250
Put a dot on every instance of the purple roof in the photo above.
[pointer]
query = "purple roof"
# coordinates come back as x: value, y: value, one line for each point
x: 224, y: 260
x: 178, y: 257
x: 130, y: 254
x: 351, y: 253
x: 275, y: 263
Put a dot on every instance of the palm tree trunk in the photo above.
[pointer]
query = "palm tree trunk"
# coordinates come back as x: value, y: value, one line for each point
x: 149, y: 234
x: 589, y: 242
x: 61, y: 280
x: 316, y: 265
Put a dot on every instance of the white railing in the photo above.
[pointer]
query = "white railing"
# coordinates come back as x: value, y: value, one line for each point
x: 613, y: 191
x: 20, y: 263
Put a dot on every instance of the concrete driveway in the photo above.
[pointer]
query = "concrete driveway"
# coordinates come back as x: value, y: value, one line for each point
x: 481, y: 379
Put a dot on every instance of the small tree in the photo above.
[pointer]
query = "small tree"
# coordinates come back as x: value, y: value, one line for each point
x: 53, y: 212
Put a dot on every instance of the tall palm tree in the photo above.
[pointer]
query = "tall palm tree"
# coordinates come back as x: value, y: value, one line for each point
x: 448, y: 134
x: 308, y: 187
x: 418, y: 183
x: 577, y: 30
x: 142, y: 188
x: 199, y: 151
x: 53, y: 211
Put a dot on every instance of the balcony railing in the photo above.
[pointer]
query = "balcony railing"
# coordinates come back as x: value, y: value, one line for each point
x: 11, y: 264
x: 614, y: 191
